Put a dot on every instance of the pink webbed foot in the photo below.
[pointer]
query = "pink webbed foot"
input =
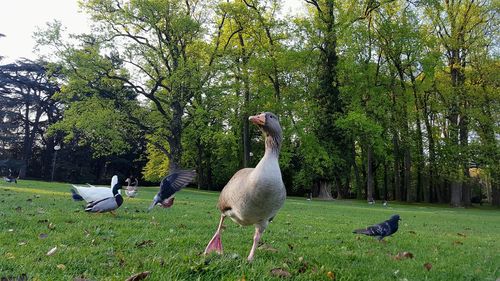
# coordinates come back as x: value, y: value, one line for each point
x: 215, y: 245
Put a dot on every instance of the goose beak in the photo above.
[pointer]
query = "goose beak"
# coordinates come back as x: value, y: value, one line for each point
x: 258, y: 119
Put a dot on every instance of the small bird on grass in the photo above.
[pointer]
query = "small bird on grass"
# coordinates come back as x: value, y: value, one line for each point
x: 172, y: 183
x: 382, y: 229
x: 108, y: 204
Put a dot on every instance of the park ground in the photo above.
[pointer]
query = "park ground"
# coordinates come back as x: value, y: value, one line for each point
x: 44, y: 235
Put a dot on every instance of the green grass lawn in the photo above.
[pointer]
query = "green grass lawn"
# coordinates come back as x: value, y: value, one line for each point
x: 308, y: 239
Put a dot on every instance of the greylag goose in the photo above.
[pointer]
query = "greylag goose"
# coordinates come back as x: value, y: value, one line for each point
x: 92, y: 193
x: 253, y: 196
x: 172, y: 183
x: 132, y: 186
x: 107, y: 204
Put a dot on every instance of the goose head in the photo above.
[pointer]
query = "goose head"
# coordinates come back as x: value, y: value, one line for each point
x: 267, y: 122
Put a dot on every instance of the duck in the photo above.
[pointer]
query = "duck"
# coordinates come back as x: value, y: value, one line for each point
x: 108, y: 204
x: 253, y: 196
x: 173, y: 182
x: 92, y: 193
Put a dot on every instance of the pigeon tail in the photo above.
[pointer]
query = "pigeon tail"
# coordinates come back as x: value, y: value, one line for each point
x: 76, y: 196
x: 362, y: 231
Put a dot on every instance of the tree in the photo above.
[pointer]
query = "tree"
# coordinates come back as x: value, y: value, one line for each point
x: 26, y: 89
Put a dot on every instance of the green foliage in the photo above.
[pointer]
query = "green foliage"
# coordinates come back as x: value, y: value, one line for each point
x: 157, y: 166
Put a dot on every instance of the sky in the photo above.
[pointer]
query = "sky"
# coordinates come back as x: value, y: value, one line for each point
x: 19, y: 19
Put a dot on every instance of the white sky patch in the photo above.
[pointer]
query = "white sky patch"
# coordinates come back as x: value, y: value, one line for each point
x: 19, y: 19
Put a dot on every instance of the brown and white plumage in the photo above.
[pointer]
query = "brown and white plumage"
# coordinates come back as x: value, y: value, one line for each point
x: 253, y: 196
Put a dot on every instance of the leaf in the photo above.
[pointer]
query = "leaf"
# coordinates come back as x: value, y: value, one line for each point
x: 138, y: 276
x: 456, y: 242
x: 461, y: 234
x: 269, y: 248
x: 52, y: 251
x: 412, y: 232
x: 428, y: 266
x: 61, y: 266
x: 51, y: 226
x: 279, y: 272
x: 403, y: 255
x: 144, y: 243
x: 330, y: 275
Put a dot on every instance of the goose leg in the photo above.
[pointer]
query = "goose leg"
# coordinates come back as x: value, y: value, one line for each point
x: 216, y: 243
x: 256, y: 238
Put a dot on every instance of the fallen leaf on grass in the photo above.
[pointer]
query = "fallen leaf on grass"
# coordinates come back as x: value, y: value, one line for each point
x: 412, y: 232
x: 279, y: 272
x: 43, y: 236
x: 269, y: 248
x: 10, y: 230
x: 461, y: 234
x: 403, y: 255
x: 303, y: 267
x: 10, y: 256
x: 61, y: 266
x: 52, y: 251
x: 51, y: 226
x: 144, y: 243
x: 458, y: 242
x: 138, y: 276
x: 22, y: 243
x: 428, y: 266
x: 330, y: 275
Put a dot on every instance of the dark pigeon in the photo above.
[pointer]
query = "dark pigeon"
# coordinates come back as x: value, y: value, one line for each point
x: 107, y: 204
x: 172, y: 183
x: 381, y: 230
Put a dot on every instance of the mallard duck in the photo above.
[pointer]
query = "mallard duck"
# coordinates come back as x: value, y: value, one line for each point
x: 107, y: 204
x: 91, y: 193
x: 253, y: 196
x: 172, y: 183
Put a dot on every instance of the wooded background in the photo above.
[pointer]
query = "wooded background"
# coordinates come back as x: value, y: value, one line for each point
x: 391, y: 100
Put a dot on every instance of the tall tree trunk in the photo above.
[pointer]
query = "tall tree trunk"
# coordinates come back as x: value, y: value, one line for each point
x: 246, y: 101
x: 397, y: 177
x: 456, y: 193
x: 495, y: 187
x: 357, y: 177
x: 325, y: 190
x: 407, y: 175
x: 386, y: 180
x: 369, y: 174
